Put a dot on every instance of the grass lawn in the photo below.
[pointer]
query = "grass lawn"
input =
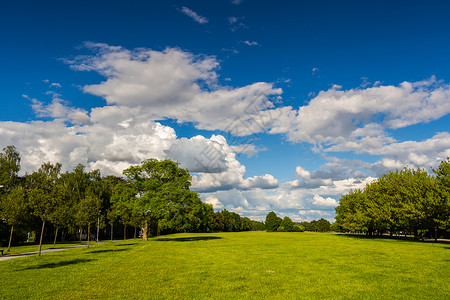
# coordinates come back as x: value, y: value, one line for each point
x: 34, y: 246
x: 251, y: 265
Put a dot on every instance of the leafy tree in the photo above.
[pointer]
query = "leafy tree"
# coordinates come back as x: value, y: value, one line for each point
x: 9, y: 169
x: 272, y: 222
x: 11, y: 208
x: 298, y: 228
x: 438, y: 208
x: 14, y: 209
x: 44, y: 193
x: 287, y: 224
x: 159, y: 187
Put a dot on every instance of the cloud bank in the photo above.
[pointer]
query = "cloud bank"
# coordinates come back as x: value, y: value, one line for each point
x: 142, y: 87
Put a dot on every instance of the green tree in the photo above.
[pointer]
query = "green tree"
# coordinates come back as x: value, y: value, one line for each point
x: 438, y: 208
x: 272, y: 222
x: 44, y: 193
x: 12, y: 204
x: 14, y: 209
x: 287, y: 224
x: 159, y: 187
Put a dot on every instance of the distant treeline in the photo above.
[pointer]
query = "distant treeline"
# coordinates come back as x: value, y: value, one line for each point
x: 401, y: 202
x: 154, y: 198
x: 275, y: 223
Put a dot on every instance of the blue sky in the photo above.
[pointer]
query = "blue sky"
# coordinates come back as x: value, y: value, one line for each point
x: 272, y: 105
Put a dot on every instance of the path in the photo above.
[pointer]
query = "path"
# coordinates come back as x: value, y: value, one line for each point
x: 11, y: 256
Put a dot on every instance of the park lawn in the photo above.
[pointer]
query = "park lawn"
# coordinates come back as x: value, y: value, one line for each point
x: 34, y: 246
x: 249, y: 265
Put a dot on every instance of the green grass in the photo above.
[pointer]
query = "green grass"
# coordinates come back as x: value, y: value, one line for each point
x: 248, y: 265
x: 33, y: 246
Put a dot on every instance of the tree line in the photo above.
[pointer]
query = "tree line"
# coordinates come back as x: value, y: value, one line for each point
x: 153, y: 197
x: 274, y: 223
x: 409, y: 201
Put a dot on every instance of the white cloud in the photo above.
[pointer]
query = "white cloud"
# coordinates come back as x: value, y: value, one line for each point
x: 302, y: 172
x: 236, y: 23
x: 236, y: 2
x: 321, y: 201
x: 196, y: 17
x: 251, y: 43
x: 358, y: 118
x: 215, y: 202
x: 178, y: 85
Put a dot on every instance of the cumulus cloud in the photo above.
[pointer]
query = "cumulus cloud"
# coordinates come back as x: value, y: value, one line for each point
x: 214, y: 202
x: 178, y: 85
x: 356, y: 119
x: 217, y: 167
x: 321, y: 201
x: 196, y: 17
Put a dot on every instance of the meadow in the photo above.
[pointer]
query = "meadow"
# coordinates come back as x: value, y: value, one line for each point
x: 244, y: 265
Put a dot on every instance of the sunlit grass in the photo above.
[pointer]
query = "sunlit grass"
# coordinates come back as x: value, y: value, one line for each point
x: 32, y: 247
x: 235, y: 265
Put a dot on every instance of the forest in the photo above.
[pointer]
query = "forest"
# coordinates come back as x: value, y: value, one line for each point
x: 409, y: 202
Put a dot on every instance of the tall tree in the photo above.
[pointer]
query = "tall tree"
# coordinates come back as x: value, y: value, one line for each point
x: 158, y: 186
x: 44, y: 193
x: 12, y: 204
x: 438, y: 208
x: 272, y: 222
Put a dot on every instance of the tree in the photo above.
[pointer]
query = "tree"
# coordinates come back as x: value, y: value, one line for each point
x: 9, y: 169
x: 272, y: 222
x: 438, y: 208
x: 287, y: 224
x: 13, y: 209
x: 160, y: 187
x: 12, y: 204
x: 44, y: 193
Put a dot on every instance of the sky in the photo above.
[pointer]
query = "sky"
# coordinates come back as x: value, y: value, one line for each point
x: 271, y: 105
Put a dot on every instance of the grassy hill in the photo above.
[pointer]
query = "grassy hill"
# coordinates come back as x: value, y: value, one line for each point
x: 251, y: 265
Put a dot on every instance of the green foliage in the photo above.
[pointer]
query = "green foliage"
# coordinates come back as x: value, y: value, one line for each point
x: 401, y: 201
x: 9, y: 169
x: 298, y: 228
x: 272, y: 222
x: 287, y: 225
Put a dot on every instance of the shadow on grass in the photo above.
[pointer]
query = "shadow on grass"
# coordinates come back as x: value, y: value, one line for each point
x: 188, y: 239
x: 58, y: 264
x: 107, y: 250
x: 129, y: 244
x: 397, y: 238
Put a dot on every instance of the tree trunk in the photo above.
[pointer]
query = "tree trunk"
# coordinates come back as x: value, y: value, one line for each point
x: 124, y: 231
x: 98, y: 227
x: 81, y: 232
x: 89, y: 232
x: 112, y: 227
x: 135, y: 232
x: 42, y: 234
x: 10, y: 238
x: 145, y: 231
x: 56, y: 234
x: 435, y: 234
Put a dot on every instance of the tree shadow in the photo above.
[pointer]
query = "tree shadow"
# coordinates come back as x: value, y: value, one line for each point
x: 129, y: 244
x: 58, y: 264
x: 397, y: 238
x: 106, y: 250
x: 188, y: 239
